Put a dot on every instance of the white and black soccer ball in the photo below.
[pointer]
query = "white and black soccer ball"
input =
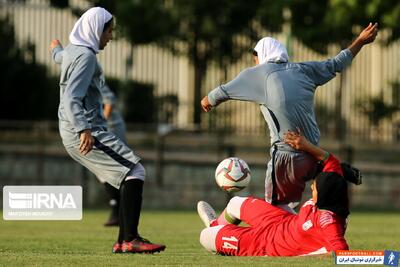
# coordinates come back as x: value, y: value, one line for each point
x: 232, y: 174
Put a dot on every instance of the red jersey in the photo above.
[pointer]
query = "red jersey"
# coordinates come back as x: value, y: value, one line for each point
x: 276, y: 232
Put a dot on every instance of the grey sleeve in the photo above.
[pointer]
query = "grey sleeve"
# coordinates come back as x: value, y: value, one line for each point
x: 76, y: 89
x: 57, y: 54
x: 323, y: 71
x: 247, y: 86
x: 106, y: 93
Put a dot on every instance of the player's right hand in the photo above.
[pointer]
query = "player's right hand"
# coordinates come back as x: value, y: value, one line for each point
x: 205, y: 104
x: 53, y: 44
x: 369, y: 34
x: 87, y: 141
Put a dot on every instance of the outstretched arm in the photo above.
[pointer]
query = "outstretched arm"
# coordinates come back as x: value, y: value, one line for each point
x: 367, y: 36
x: 247, y: 86
x: 299, y: 142
x: 320, y: 72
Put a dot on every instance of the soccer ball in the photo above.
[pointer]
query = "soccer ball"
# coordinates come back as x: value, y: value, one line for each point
x: 232, y: 174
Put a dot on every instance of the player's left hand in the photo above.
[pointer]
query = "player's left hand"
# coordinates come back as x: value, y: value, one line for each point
x: 53, y: 44
x: 87, y: 141
x: 205, y: 104
x: 295, y: 139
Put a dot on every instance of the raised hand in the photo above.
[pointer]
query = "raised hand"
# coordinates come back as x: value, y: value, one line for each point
x: 369, y: 34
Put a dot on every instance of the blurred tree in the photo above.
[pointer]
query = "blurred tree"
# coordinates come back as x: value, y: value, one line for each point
x: 377, y: 109
x: 139, y: 100
x: 26, y: 92
x: 319, y: 23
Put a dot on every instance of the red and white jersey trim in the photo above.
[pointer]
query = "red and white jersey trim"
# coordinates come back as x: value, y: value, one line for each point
x: 326, y: 218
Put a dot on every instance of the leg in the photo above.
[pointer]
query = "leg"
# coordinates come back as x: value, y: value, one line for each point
x: 129, y: 209
x: 113, y: 194
x: 230, y: 240
x: 268, y: 183
x: 208, y: 236
x: 131, y: 202
x: 131, y: 199
x: 253, y: 211
x: 249, y: 210
x: 226, y: 238
x: 131, y: 205
x: 115, y: 163
x: 231, y: 214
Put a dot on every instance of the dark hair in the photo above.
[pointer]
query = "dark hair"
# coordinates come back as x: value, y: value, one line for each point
x: 332, y: 193
x: 107, y: 24
x: 255, y: 53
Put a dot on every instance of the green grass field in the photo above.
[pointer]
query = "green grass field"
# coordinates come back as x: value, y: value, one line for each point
x: 88, y: 243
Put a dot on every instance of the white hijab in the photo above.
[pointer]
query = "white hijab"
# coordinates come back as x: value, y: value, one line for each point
x: 88, y: 29
x: 269, y: 49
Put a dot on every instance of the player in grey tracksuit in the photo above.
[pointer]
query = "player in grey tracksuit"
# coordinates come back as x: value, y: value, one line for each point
x: 285, y: 92
x: 83, y: 128
x: 115, y: 125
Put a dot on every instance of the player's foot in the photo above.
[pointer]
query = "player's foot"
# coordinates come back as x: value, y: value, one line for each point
x: 113, y: 221
x: 206, y: 212
x: 141, y: 245
x: 117, y: 248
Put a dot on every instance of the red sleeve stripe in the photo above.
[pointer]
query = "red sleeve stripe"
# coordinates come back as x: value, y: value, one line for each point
x: 332, y: 164
x: 325, y: 219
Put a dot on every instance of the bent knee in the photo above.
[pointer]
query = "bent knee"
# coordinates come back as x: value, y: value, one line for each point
x: 208, y: 236
x: 234, y: 206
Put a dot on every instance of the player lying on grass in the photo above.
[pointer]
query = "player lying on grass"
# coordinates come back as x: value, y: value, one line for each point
x: 285, y: 93
x: 83, y: 128
x: 318, y: 228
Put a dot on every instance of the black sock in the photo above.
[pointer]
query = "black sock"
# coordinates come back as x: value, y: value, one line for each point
x: 114, y: 199
x: 130, y: 207
x: 120, y: 222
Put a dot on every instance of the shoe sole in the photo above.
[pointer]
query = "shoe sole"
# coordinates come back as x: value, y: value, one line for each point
x: 202, y: 208
x: 145, y: 251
